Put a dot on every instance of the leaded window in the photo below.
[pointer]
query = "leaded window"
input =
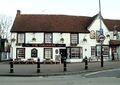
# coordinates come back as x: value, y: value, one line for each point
x: 21, y: 38
x: 48, y: 37
x: 20, y: 52
x: 74, y: 38
x: 48, y: 53
x: 74, y: 53
x: 93, y: 50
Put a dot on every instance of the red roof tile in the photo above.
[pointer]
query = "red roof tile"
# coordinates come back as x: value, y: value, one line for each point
x: 57, y: 23
x: 112, y: 23
x: 114, y: 42
x: 50, y: 23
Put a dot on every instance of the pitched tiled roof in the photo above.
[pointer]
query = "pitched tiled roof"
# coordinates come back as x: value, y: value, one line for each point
x: 112, y: 23
x: 114, y: 42
x: 57, y: 23
x: 50, y: 23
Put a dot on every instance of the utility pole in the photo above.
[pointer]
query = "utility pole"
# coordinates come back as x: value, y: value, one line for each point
x: 101, y: 36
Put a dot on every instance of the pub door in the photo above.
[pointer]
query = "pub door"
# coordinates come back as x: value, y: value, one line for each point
x: 63, y: 53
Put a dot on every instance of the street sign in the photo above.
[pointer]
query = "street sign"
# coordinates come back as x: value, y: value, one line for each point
x: 101, y: 38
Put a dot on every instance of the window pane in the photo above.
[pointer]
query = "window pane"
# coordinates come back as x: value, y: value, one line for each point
x: 93, y: 51
x: 48, y: 53
x: 74, y: 38
x: 21, y: 37
x: 106, y: 51
x: 20, y: 53
x: 75, y: 53
x: 48, y: 37
x: 98, y: 51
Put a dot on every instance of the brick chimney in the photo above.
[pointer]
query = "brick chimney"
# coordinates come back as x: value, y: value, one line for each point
x: 18, y: 12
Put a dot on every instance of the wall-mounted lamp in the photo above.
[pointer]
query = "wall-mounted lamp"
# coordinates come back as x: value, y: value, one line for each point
x: 84, y: 39
x: 62, y: 40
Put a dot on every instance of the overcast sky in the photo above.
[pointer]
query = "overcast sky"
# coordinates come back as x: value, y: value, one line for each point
x: 110, y: 8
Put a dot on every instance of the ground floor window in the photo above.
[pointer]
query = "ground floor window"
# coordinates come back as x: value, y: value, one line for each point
x: 20, y: 53
x: 47, y: 53
x: 74, y: 52
x: 93, y: 50
x: 105, y: 50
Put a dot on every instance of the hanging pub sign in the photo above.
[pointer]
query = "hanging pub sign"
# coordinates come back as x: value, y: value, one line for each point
x: 92, y: 34
x: 43, y: 45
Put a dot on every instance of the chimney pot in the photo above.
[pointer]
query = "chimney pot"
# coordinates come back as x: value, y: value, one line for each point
x: 18, y: 12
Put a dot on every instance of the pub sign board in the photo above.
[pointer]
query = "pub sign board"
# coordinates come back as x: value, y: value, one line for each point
x: 43, y: 45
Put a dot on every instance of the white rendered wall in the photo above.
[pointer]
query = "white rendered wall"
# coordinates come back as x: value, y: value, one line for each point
x: 39, y: 55
x: 39, y: 37
x: 96, y: 26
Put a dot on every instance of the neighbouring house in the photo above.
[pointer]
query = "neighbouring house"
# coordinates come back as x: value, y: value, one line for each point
x: 56, y: 36
x: 4, y: 50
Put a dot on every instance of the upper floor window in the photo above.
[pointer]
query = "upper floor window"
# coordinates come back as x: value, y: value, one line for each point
x: 48, y: 38
x: 74, y: 38
x: 21, y: 38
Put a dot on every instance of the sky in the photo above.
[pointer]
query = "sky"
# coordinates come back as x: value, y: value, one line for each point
x: 110, y: 8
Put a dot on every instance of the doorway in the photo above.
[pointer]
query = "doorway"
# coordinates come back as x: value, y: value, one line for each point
x: 63, y: 53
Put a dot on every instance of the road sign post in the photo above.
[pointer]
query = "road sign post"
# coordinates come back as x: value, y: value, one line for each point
x: 101, y: 39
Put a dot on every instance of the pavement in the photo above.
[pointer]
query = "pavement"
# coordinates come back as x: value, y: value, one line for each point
x: 25, y: 70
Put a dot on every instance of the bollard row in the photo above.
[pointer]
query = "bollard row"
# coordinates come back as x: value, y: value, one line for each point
x: 38, y: 65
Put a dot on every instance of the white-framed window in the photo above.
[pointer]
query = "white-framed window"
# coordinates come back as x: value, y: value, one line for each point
x: 20, y: 53
x: 47, y: 53
x: 74, y: 52
x: 74, y: 38
x: 20, y: 37
x: 93, y: 50
x: 105, y: 50
x: 48, y: 37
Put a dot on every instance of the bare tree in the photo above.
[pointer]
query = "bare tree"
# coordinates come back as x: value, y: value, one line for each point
x: 5, y: 24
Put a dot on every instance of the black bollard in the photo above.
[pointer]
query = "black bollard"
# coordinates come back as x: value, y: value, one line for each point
x: 65, y: 64
x: 38, y: 65
x: 11, y: 66
x: 86, y: 63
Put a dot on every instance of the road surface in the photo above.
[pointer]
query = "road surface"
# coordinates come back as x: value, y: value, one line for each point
x: 96, y: 78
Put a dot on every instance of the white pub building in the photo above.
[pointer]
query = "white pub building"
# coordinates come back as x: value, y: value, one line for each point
x: 57, y: 36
